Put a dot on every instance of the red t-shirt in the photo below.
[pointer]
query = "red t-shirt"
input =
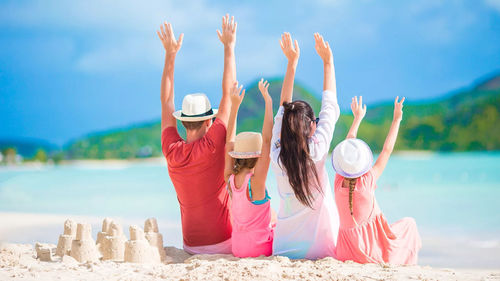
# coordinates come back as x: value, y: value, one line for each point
x: 197, y: 172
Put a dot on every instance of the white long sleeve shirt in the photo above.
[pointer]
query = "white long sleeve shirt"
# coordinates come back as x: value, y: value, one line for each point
x: 303, y: 232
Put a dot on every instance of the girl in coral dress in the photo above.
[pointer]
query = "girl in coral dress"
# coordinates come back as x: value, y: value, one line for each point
x: 365, y: 236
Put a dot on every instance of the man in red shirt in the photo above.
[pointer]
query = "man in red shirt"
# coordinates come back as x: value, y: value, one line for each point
x: 196, y: 165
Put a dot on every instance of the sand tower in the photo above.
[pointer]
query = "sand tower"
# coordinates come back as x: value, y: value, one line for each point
x: 138, y: 250
x: 66, y: 239
x: 113, y: 245
x: 154, y: 238
x: 83, y: 248
x: 104, y: 231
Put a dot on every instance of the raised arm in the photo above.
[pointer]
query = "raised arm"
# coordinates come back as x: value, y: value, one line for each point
x: 171, y: 46
x: 330, y: 111
x: 262, y: 166
x: 228, y: 39
x: 390, y: 140
x: 359, y: 111
x: 325, y: 52
x: 235, y: 100
x: 292, y: 53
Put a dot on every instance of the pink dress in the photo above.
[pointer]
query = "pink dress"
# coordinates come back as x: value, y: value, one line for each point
x: 372, y: 240
x: 252, y: 231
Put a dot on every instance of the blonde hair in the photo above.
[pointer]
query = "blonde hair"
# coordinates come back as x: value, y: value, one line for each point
x: 352, y: 185
x: 240, y: 164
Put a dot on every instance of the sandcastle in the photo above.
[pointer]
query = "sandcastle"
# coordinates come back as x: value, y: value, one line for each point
x: 113, y: 245
x: 138, y: 249
x: 104, y: 231
x: 83, y: 248
x: 76, y: 244
x: 111, y: 241
x: 44, y: 251
x: 66, y: 239
x: 154, y: 238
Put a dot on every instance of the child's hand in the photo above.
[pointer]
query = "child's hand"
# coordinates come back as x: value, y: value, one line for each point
x: 292, y: 53
x: 323, y: 48
x: 228, y: 34
x: 358, y: 109
x: 263, y: 87
x: 166, y: 34
x: 398, y: 109
x: 236, y: 98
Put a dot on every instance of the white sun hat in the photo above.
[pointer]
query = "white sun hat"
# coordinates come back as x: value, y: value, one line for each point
x: 247, y: 145
x: 195, y: 107
x: 352, y: 158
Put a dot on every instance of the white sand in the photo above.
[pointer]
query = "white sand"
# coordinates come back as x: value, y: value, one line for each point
x: 17, y: 262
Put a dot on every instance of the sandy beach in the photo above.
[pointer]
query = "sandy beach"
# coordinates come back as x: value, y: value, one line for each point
x: 18, y: 262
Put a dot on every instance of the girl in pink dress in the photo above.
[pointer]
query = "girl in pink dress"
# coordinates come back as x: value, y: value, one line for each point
x: 365, y: 236
x: 247, y: 162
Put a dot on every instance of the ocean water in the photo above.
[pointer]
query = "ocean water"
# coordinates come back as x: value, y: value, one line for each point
x: 453, y: 197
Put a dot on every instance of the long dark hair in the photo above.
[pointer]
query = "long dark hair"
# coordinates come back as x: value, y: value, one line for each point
x: 294, y: 154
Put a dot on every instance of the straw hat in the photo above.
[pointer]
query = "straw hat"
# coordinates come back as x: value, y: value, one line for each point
x: 352, y: 158
x: 195, y: 107
x: 247, y: 145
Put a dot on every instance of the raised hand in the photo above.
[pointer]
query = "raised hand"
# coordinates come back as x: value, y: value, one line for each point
x: 166, y: 34
x: 263, y: 88
x: 236, y: 97
x: 358, y: 109
x: 291, y: 51
x: 323, y: 48
x: 228, y: 34
x: 398, y: 109
x: 390, y: 140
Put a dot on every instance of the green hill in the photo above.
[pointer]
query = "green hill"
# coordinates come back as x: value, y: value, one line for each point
x: 132, y: 142
x: 463, y: 121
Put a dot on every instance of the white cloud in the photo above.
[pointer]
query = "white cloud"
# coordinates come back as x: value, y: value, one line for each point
x: 494, y: 4
x: 124, y: 56
x: 120, y: 35
x: 125, y: 15
x: 116, y: 35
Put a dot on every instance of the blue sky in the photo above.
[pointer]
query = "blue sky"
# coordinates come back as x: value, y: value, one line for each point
x: 68, y: 68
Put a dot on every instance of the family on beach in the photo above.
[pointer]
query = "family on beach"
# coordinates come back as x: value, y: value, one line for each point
x: 220, y: 177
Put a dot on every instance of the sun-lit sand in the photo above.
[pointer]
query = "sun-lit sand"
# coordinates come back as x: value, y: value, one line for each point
x: 19, y: 262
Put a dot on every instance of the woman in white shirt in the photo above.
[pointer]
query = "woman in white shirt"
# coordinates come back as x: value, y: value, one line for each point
x: 308, y: 222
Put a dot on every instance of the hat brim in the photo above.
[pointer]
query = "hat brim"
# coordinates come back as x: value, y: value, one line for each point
x: 338, y: 170
x: 244, y: 155
x: 178, y: 116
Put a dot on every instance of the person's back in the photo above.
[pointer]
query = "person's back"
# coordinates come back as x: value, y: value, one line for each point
x: 365, y: 236
x: 246, y: 169
x: 196, y: 165
x: 307, y: 223
x: 303, y: 231
x: 197, y: 172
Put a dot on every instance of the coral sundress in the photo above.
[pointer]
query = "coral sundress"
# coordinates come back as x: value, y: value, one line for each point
x: 372, y: 240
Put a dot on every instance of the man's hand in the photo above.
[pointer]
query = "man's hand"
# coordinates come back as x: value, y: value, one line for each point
x: 291, y: 51
x: 398, y: 109
x: 228, y: 34
x: 358, y: 109
x: 323, y: 48
x: 166, y: 34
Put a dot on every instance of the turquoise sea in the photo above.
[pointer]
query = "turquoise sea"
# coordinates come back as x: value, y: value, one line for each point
x: 453, y: 197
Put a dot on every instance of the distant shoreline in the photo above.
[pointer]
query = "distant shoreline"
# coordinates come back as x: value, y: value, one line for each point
x: 161, y: 160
